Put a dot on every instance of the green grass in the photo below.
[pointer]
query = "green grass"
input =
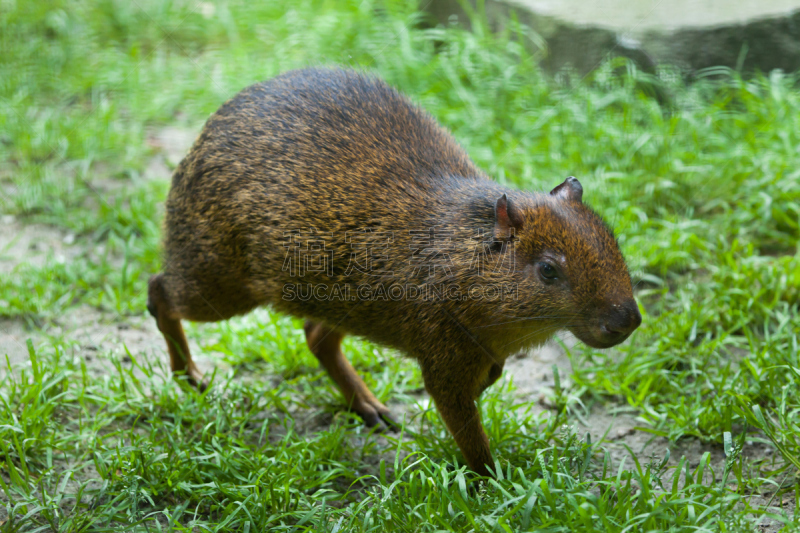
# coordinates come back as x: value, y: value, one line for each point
x: 704, y: 195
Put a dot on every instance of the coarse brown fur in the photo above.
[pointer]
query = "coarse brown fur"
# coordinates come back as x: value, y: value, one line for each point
x: 337, y: 156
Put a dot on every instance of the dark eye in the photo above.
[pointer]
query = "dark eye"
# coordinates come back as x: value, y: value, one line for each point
x: 548, y: 271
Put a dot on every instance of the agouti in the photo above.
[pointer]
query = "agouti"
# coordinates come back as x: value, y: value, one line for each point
x: 330, y: 196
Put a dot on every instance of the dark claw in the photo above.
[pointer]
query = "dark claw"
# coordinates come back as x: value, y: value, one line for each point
x: 390, y: 423
x: 199, y: 384
x: 381, y: 421
x: 371, y: 419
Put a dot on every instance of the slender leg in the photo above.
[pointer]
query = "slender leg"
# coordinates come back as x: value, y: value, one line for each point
x: 325, y: 344
x: 455, y: 399
x: 169, y: 324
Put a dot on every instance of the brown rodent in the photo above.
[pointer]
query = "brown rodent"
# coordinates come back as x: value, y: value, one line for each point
x: 398, y: 238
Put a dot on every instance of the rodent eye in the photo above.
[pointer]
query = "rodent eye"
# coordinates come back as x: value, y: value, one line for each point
x: 548, y: 271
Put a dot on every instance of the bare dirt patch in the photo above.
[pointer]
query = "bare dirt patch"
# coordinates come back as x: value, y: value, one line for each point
x: 173, y: 142
x: 97, y: 338
x: 171, y: 145
x: 33, y: 244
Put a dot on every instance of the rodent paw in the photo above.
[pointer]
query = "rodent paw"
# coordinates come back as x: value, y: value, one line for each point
x: 376, y: 415
x: 195, y: 379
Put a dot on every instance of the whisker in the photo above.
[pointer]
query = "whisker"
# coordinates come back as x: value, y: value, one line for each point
x: 542, y: 330
x: 568, y: 315
x: 555, y: 326
x: 524, y: 319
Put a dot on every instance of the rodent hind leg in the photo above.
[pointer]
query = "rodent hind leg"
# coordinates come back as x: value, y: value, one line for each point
x: 325, y: 344
x: 169, y: 324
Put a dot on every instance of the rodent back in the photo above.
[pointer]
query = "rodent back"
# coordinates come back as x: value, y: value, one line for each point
x: 314, y: 125
x: 330, y: 149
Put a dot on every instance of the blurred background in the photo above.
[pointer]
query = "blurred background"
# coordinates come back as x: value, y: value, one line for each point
x: 745, y: 35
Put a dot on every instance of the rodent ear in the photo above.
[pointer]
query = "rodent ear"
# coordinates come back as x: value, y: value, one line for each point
x: 570, y: 190
x: 507, y: 218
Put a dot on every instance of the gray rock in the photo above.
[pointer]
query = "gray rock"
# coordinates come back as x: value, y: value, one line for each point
x: 750, y: 34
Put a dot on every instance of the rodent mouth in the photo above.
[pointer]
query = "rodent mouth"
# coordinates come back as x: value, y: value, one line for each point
x: 599, y: 337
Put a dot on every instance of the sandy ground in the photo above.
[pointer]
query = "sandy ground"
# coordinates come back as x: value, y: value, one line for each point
x: 94, y: 333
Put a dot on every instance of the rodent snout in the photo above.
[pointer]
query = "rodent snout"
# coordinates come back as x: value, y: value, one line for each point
x: 621, y: 321
x: 611, y: 326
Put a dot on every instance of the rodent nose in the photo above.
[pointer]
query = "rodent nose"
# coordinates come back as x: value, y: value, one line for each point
x: 623, y: 319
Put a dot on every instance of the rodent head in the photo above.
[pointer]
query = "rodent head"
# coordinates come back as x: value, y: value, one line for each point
x: 569, y: 266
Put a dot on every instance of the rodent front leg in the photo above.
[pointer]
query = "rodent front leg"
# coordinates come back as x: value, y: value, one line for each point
x: 463, y: 420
